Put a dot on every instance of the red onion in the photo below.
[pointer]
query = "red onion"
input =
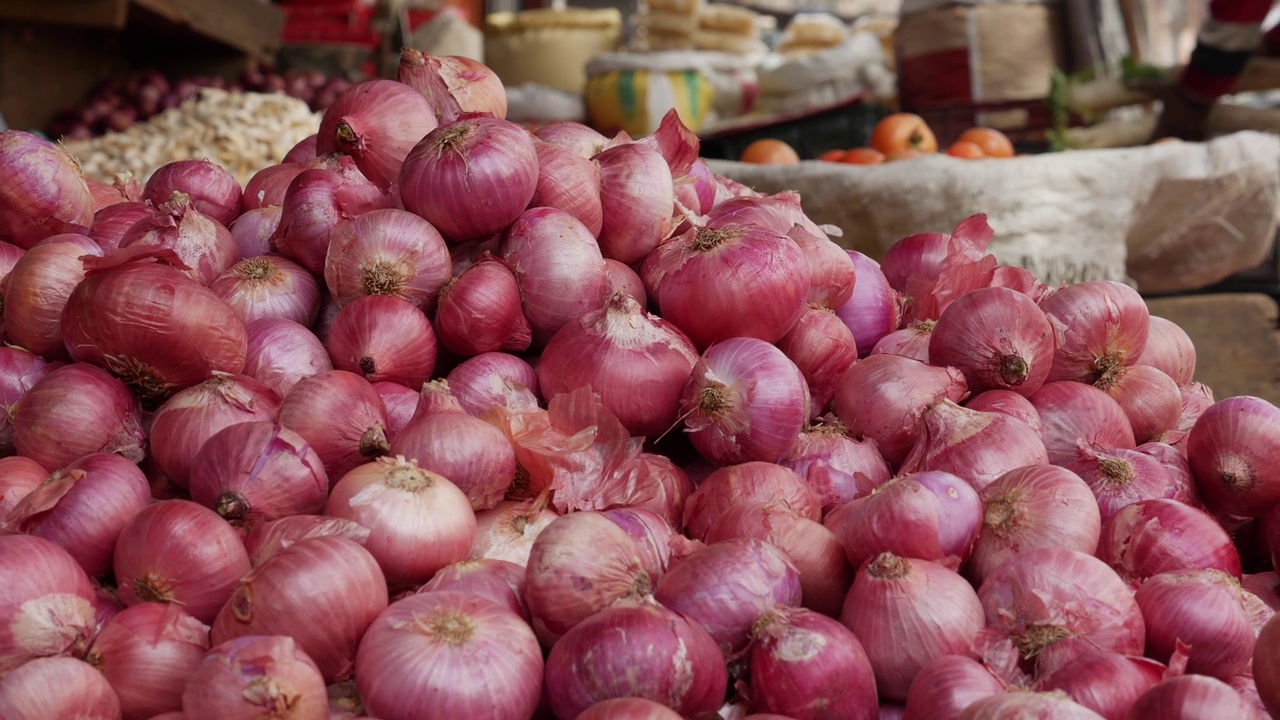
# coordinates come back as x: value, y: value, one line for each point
x: 838, y: 467
x: 317, y: 201
x: 268, y: 187
x: 464, y: 255
x: 1178, y: 468
x: 1196, y: 398
x: 479, y: 311
x: 465, y: 655
x: 1009, y: 403
x: 978, y: 446
x: 49, y: 688
x: 883, y: 397
x: 1103, y: 327
x: 303, y: 151
x: 998, y: 338
x: 453, y: 84
x: 655, y: 538
x: 624, y: 280
x: 269, y: 286
x: 1022, y: 280
x: 494, y: 378
x: 387, y: 252
x: 147, y: 653
x: 255, y: 472
x: 1150, y: 399
x: 1170, y: 350
x: 1042, y: 506
x: 907, y: 612
x: 1047, y: 606
x: 124, y: 187
x: 1200, y: 608
x: 629, y: 708
x: 568, y: 182
x: 471, y: 177
x: 18, y: 476
x: 152, y: 326
x: 36, y: 291
x: 831, y: 271
x: 1266, y: 668
x: 341, y: 416
x: 176, y: 551
x: 745, y: 400
x: 75, y: 410
x: 1232, y: 451
x: 1123, y: 477
x: 383, y: 338
x: 507, y: 532
x: 1194, y: 696
x: 19, y: 371
x: 1159, y: 536
x: 111, y: 222
x: 256, y: 677
x: 948, y: 684
x: 204, y: 247
x: 377, y: 123
x: 558, y: 266
x: 639, y: 363
x: 401, y: 403
x: 807, y: 667
x: 748, y: 482
x: 252, y: 231
x: 497, y: 580
x: 83, y: 507
x: 931, y: 516
x: 324, y: 592
x: 872, y: 311
x: 637, y: 199
x: 927, y: 254
x: 182, y: 425
x: 911, y: 341
x: 445, y: 439
x: 42, y: 191
x: 281, y: 352
x: 46, y: 602
x: 822, y: 347
x: 584, y: 141
x: 269, y: 538
x: 1017, y: 704
x: 627, y: 651
x: 1075, y: 415
x: 1105, y: 682
x: 213, y: 190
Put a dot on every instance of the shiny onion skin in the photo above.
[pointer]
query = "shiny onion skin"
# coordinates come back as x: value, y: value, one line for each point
x: 453, y: 84
x: 1103, y: 325
x: 111, y: 222
x: 153, y: 327
x: 748, y: 482
x: 501, y: 581
x: 269, y: 286
x: 494, y: 378
x: 213, y: 191
x: 42, y: 191
x: 807, y: 666
x: 46, y: 602
x: 75, y: 410
x: 387, y: 252
x: 1074, y: 414
x: 18, y: 476
x: 1150, y: 399
x: 479, y: 311
x: 203, y: 248
x: 655, y: 538
x: 316, y: 203
x: 948, y: 684
x: 1018, y: 704
x: 872, y: 311
x: 999, y: 338
x: 1233, y: 451
x: 1194, y: 696
x: 838, y: 467
x: 400, y: 401
x: 911, y: 341
x: 256, y: 677
x: 637, y: 201
x: 377, y: 123
x: 932, y: 516
x: 1105, y: 682
x: 449, y: 654
x: 629, y: 708
x: 584, y: 141
x: 282, y: 352
x: 36, y: 291
x: 1008, y: 402
x: 1203, y: 609
x: 1152, y: 537
x: 268, y: 186
x: 19, y: 370
x: 822, y: 347
x: 57, y: 687
x: 341, y: 416
x: 1170, y: 350
x: 147, y: 652
x: 1122, y: 477
x: 569, y: 182
x: 977, y: 446
x: 383, y: 339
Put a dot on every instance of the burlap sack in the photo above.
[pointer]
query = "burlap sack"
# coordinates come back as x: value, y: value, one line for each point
x: 549, y: 47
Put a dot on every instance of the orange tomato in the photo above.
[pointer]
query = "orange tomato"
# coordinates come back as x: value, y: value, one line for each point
x: 863, y: 156
x: 769, y: 151
x: 903, y: 131
x: 992, y: 142
x: 903, y: 154
x: 966, y: 149
x: 834, y: 155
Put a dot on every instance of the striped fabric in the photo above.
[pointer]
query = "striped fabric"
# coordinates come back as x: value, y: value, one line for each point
x: 1228, y: 38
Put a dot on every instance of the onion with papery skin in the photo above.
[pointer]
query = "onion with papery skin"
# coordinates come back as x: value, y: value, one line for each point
x: 978, y: 446
x: 315, y: 204
x: 1033, y: 507
x: 568, y: 182
x: 911, y: 341
x: 831, y: 271
x: 998, y: 338
x: 213, y: 190
x: 822, y: 347
x: 1194, y: 696
x: 808, y: 667
x: 872, y: 311
x: 55, y: 688
x: 507, y: 532
x: 1234, y: 452
x: 497, y: 580
x: 36, y: 292
x: 387, y: 252
x: 1170, y: 350
x: 1203, y: 609
x: 252, y: 231
x: 46, y: 602
x: 622, y: 279
x: 1017, y: 704
x: 341, y: 416
x: 257, y: 677
x: 1073, y: 414
x: 383, y: 338
x: 83, y: 507
x: 124, y: 187
x: 931, y: 516
x: 269, y: 538
x: 18, y: 476
x: 324, y: 592
x: 377, y: 123
x: 203, y: 246
x: 269, y: 286
x: 471, y: 177
x: 1178, y: 468
x: 655, y: 538
x: 627, y: 651
x: 453, y: 84
x: 155, y: 328
x: 637, y: 200
x: 268, y: 186
x: 883, y: 397
x: 281, y: 352
x: 1009, y: 403
x: 479, y: 311
x: 1105, y: 682
x: 401, y: 403
x: 1150, y: 399
x: 585, y: 142
x: 1047, y: 606
x: 906, y: 612
x: 470, y: 656
x: 1103, y: 326
x: 637, y: 362
x: 19, y: 371
x: 42, y: 191
x: 111, y: 222
x: 182, y: 425
x: 176, y: 551
x: 304, y: 150
x: 147, y: 653
x: 948, y: 684
x: 629, y: 708
x: 75, y: 410
x: 256, y: 472
x: 838, y: 467
x: 1122, y: 477
x: 1159, y: 536
x: 744, y: 400
x: 747, y: 482
x: 494, y: 378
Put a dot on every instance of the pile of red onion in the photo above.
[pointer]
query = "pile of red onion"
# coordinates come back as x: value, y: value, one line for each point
x: 462, y: 421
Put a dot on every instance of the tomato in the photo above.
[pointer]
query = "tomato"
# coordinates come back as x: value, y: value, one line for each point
x: 992, y: 142
x: 863, y: 156
x: 834, y: 155
x: 903, y: 154
x: 903, y: 131
x: 966, y: 149
x: 769, y: 151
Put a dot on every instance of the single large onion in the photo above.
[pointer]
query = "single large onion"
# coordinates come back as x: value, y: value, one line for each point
x: 1103, y: 325
x: 1123, y: 477
x: 832, y: 276
x: 383, y: 338
x: 1170, y: 350
x: 637, y: 200
x: 1233, y: 452
x: 1203, y: 609
x: 911, y: 341
x: 1159, y: 536
x: 36, y: 292
x: 568, y: 182
x: 497, y: 580
x: 1194, y: 696
x: 999, y: 339
x: 872, y: 311
x: 744, y: 400
x: 75, y: 410
x: 269, y: 286
x: 1107, y: 683
x: 907, y: 612
x: 323, y: 592
x: 479, y: 311
x: 281, y: 352
x: 948, y: 684
x: 317, y: 201
x: 808, y: 667
x: 203, y: 246
x: 1073, y: 415
x: 453, y: 84
x: 268, y: 186
x: 637, y: 362
x: 147, y: 653
x: 838, y: 467
x: 377, y: 123
x: 978, y: 446
x: 931, y: 516
x: 57, y: 687
x: 46, y: 602
x: 822, y: 347
x: 748, y: 482
x: 256, y: 677
x: 341, y: 416
x: 42, y: 191
x: 627, y: 651
x: 507, y: 532
x: 1150, y: 399
x: 387, y: 252
x: 494, y: 378
x: 111, y: 222
x: 252, y: 231
x: 256, y: 472
x: 213, y: 191
x: 583, y: 141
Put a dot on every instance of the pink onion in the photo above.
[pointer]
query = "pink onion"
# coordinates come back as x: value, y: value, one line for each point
x: 1232, y: 450
x: 123, y: 188
x: 401, y: 402
x: 948, y: 684
x: 998, y: 338
x: 176, y: 551
x: 497, y: 580
x: 927, y: 254
x: 471, y: 177
x: 655, y: 538
x: 627, y: 651
x: 1150, y: 399
x: 324, y: 592
x: 19, y: 370
x: 479, y: 311
x: 157, y: 329
x: 383, y: 338
x: 1103, y: 327
x: 204, y: 248
x: 911, y: 341
x: 931, y: 516
x: 568, y: 182
x: 1152, y: 537
x: 341, y: 416
x: 637, y: 199
x: 831, y: 271
x: 83, y: 507
x: 747, y: 482
x: 1105, y: 682
x: 1203, y: 609
x: 147, y: 653
x: 46, y: 602
x: 111, y: 222
x: 1170, y: 350
x: 281, y: 352
x: 268, y: 187
x: 584, y: 141
x: 1123, y: 477
x: 269, y: 538
x: 36, y: 292
x: 978, y: 446
x: 494, y: 378
x: 872, y: 311
x: 42, y: 191
x: 628, y: 708
x: 822, y: 347
x: 1009, y: 403
x: 269, y: 286
x: 1028, y: 704
x: 256, y: 677
x: 182, y: 425
x: 252, y: 231
x: 18, y: 476
x: 57, y: 687
x: 907, y: 612
x: 807, y: 667
x: 255, y: 472
x: 213, y: 190
x: 317, y: 201
x: 304, y: 150
x: 1047, y: 606
x: 1194, y: 696
x: 1178, y: 468
x: 377, y: 123
x: 75, y: 410
x: 387, y: 252
x: 745, y: 400
x: 453, y: 84
x: 1196, y: 398
x: 838, y: 467
x: 507, y: 532
x: 558, y: 266
x: 1075, y: 415
x: 624, y: 280
x: 1042, y: 506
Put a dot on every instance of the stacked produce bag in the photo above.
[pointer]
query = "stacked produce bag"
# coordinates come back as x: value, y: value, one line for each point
x: 666, y: 25
x: 727, y: 28
x: 438, y: 417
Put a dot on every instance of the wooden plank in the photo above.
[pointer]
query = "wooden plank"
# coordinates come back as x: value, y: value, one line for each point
x: 44, y: 68
x: 91, y: 13
x: 251, y: 26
